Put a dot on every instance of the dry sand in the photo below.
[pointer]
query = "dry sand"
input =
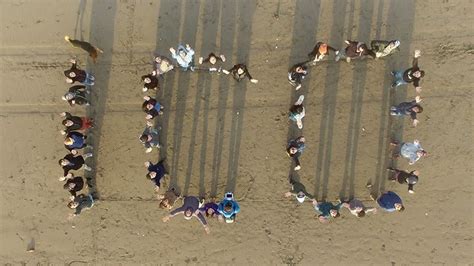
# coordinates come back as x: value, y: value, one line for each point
x: 219, y: 135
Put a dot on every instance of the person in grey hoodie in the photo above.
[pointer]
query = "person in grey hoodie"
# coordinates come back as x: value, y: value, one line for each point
x: 189, y: 209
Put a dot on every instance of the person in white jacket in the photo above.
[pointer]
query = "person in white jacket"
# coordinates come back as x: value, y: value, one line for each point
x: 184, y: 55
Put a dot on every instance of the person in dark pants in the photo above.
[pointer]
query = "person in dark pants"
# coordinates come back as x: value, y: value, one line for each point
x: 212, y: 59
x: 353, y: 49
x: 408, y: 108
x: 298, y: 190
x: 74, y: 185
x: 71, y: 162
x: 295, y: 149
x: 75, y: 74
x: 404, y: 177
x: 210, y: 210
x: 77, y: 95
x: 321, y: 50
x: 151, y: 107
x: 296, y: 75
x: 151, y: 82
x: 156, y: 172
x: 411, y: 75
x: 189, y: 209
x: 326, y: 210
x: 73, y: 123
x: 80, y: 203
x: 74, y: 141
x: 239, y: 72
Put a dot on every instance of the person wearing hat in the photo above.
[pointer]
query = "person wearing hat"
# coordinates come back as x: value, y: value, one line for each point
x: 189, y: 209
x: 298, y: 190
x: 320, y: 50
x: 228, y: 208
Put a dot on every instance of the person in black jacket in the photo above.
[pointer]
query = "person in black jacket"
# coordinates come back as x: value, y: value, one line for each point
x: 74, y: 185
x: 151, y: 82
x: 75, y: 74
x: 408, y: 108
x: 156, y: 172
x: 411, y: 75
x: 295, y: 149
x: 354, y: 49
x: 296, y: 75
x: 73, y: 123
x: 404, y: 177
x: 151, y: 107
x: 77, y: 95
x: 239, y: 72
x: 71, y: 162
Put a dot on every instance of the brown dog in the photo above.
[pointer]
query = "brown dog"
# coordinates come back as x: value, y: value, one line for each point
x: 92, y: 50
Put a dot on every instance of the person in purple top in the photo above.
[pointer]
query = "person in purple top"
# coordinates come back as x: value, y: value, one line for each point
x: 389, y: 201
x: 189, y: 209
x: 210, y: 210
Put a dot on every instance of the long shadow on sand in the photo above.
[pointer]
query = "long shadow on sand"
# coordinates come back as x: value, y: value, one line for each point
x: 246, y: 10
x: 359, y: 73
x: 328, y: 110
x: 102, y: 34
x: 401, y: 15
x: 305, y: 26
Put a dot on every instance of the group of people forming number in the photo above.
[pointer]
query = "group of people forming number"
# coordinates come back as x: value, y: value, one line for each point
x: 388, y: 200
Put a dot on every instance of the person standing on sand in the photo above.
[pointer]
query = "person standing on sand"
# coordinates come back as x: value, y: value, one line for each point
x: 326, y: 210
x: 354, y: 49
x: 298, y: 190
x: 156, y: 172
x: 184, y: 56
x: 168, y: 199
x: 162, y: 65
x: 404, y: 177
x: 211, y: 210
x: 189, y: 209
x: 228, y: 208
x: 239, y: 72
x: 295, y: 149
x: 74, y: 185
x: 73, y: 123
x: 152, y: 107
x: 411, y: 151
x: 411, y: 75
x: 297, y: 112
x: 389, y: 201
x: 80, y: 203
x: 213, y: 59
x: 77, y: 95
x: 150, y: 138
x: 151, y: 82
x: 74, y: 141
x: 321, y: 50
x: 71, y: 162
x: 296, y: 75
x: 408, y: 108
x: 357, y: 208
x: 75, y: 74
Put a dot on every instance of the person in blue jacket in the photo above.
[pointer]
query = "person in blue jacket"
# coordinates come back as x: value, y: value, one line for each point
x: 228, y: 208
x: 74, y: 141
x: 389, y: 201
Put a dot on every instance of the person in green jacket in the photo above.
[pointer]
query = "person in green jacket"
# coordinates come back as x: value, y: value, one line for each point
x: 384, y: 48
x: 326, y: 210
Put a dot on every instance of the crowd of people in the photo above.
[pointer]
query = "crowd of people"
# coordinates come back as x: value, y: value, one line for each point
x: 387, y: 200
x: 192, y: 206
x: 76, y: 127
